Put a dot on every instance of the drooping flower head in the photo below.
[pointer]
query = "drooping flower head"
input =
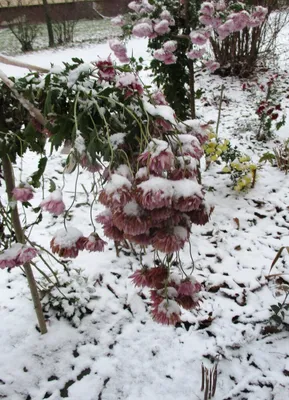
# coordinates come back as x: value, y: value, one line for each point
x: 158, y: 157
x: 67, y: 242
x: 94, y: 243
x: 117, y: 192
x: 130, y: 84
x: 17, y: 254
x: 53, y: 203
x: 23, y: 193
x: 167, y: 312
x: 106, y: 70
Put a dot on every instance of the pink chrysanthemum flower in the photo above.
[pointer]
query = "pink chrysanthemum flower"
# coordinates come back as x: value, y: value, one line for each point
x: 117, y: 192
x: 167, y: 312
x: 159, y: 99
x: 130, y: 84
x: 160, y: 214
x: 187, y: 196
x: 169, y: 240
x: 142, y: 30
x: 170, y: 46
x: 53, y: 203
x: 198, y: 38
x: 200, y: 216
x: 139, y: 277
x: 23, y: 193
x: 206, y: 20
x: 166, y: 15
x: 131, y: 219
x: 186, y: 167
x: 109, y: 229
x: 207, y: 8
x: 157, y: 276
x: 94, y: 243
x: 162, y: 27
x: 26, y: 254
x: 196, y: 128
x: 67, y: 243
x: 17, y: 254
x: 188, y: 302
x: 212, y: 65
x: 112, y: 232
x: 154, y: 193
x: 189, y: 287
x: 106, y: 70
x: 135, y: 6
x: 193, y: 54
x: 188, y: 145
x: 158, y: 156
x: 142, y: 240
x: 119, y: 50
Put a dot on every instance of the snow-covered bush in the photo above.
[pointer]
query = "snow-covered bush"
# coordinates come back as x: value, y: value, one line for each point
x: 179, y: 33
x: 147, y: 161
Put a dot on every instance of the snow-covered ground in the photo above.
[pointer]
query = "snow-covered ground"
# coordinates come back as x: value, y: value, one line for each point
x: 117, y: 352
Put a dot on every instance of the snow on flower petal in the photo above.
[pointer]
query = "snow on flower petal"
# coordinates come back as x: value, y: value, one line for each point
x: 54, y: 203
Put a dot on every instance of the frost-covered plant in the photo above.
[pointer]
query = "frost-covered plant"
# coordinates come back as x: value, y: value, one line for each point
x: 179, y: 33
x: 70, y: 298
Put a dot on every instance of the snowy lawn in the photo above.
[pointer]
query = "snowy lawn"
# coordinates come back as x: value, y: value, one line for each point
x: 117, y: 352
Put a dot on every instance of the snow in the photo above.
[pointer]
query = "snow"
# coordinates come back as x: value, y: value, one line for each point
x: 118, y: 352
x: 117, y: 139
x: 117, y: 182
x: 166, y: 112
x: 66, y: 238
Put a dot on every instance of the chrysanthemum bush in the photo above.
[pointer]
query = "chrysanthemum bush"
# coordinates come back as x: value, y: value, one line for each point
x: 146, y: 161
x: 179, y: 33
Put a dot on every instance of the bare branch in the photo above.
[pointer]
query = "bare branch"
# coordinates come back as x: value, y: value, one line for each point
x: 17, y: 63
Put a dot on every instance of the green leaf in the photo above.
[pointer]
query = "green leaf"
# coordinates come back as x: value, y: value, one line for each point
x: 267, y: 157
x: 36, y: 176
x: 275, y: 309
x: 52, y: 186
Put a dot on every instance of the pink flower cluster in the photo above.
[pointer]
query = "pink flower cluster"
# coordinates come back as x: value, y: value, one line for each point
x: 168, y: 293
x: 165, y: 54
x: 119, y: 50
x: 213, y: 15
x: 150, y: 27
x: 157, y: 205
x: 17, y: 254
x: 68, y: 242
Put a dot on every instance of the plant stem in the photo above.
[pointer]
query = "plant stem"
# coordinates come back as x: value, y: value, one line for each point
x: 220, y: 109
x: 10, y: 185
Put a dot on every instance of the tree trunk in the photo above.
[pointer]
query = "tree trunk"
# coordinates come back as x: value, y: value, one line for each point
x: 48, y: 23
